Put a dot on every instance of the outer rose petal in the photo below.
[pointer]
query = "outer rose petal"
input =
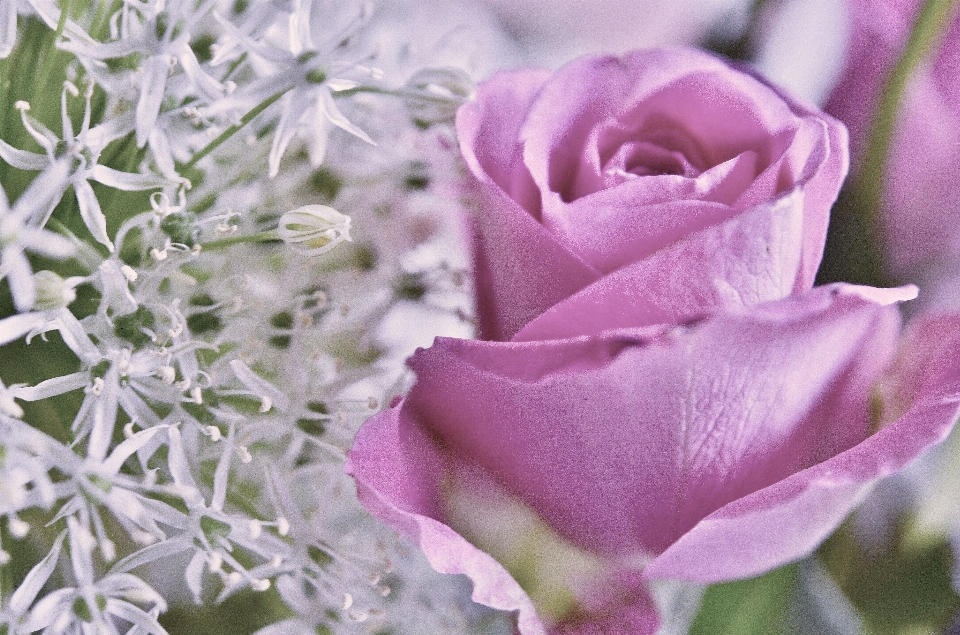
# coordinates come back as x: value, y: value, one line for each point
x: 754, y: 534
x: 624, y: 442
x: 749, y: 259
x: 397, y: 470
x: 532, y: 271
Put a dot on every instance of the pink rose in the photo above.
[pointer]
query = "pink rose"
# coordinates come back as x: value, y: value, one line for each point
x: 647, y: 189
x: 673, y: 398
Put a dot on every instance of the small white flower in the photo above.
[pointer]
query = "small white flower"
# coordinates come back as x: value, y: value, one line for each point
x: 314, y: 229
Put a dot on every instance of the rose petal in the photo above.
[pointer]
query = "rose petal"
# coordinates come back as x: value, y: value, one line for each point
x: 489, y: 132
x: 748, y: 259
x: 659, y: 431
x: 397, y: 470
x: 520, y: 269
x: 533, y: 271
x: 681, y: 99
x: 760, y: 532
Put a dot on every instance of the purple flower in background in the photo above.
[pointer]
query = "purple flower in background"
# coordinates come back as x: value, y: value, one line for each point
x: 919, y: 195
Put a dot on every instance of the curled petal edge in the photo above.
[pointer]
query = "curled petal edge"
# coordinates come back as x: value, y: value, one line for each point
x: 447, y: 551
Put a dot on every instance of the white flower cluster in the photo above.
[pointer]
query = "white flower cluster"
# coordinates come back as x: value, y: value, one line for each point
x: 202, y: 270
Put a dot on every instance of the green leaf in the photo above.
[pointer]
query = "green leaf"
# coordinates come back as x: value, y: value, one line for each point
x: 758, y: 606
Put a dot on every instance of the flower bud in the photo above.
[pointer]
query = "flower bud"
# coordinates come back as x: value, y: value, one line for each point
x: 314, y: 229
x: 52, y: 291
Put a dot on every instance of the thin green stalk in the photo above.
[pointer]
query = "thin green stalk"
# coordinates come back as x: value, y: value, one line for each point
x: 931, y: 23
x: 229, y: 132
x: 393, y: 92
x: 47, y: 67
x: 260, y: 237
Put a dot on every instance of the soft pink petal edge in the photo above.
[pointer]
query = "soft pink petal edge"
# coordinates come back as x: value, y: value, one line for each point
x: 825, y: 493
x: 397, y: 493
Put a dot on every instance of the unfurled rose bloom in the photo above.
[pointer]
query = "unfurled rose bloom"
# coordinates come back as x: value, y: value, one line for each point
x: 642, y: 190
x: 920, y: 198
x: 658, y: 384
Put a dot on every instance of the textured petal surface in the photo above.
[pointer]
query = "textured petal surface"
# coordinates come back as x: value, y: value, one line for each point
x: 758, y: 532
x: 748, y: 259
x: 659, y: 430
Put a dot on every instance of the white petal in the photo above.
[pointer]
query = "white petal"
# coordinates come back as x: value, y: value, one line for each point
x: 336, y: 117
x: 138, y: 617
x: 81, y: 554
x: 162, y: 549
x: 177, y: 461
x: 152, y: 87
x: 8, y: 28
x: 20, y: 277
x: 21, y: 158
x: 210, y: 88
x: 194, y: 575
x: 48, y: 609
x: 43, y: 194
x: 46, y: 243
x: 16, y: 326
x: 104, y: 416
x: 296, y: 104
x: 52, y: 387
x: 25, y: 594
x: 254, y: 383
x: 222, y: 475
x: 127, y: 181
x: 126, y: 449
x: 92, y: 215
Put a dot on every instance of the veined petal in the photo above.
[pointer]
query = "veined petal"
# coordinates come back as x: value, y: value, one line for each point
x: 148, y: 554
x: 136, y: 616
x: 52, y: 387
x: 43, y: 194
x: 21, y: 158
x: 177, y: 461
x: 46, y: 611
x: 126, y: 449
x: 104, y: 416
x: 20, y: 277
x: 210, y: 88
x: 91, y: 213
x: 46, y: 243
x: 258, y: 385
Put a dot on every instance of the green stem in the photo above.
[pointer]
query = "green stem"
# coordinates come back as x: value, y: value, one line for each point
x: 229, y: 132
x: 44, y: 75
x: 394, y: 92
x: 928, y: 29
x: 261, y: 237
